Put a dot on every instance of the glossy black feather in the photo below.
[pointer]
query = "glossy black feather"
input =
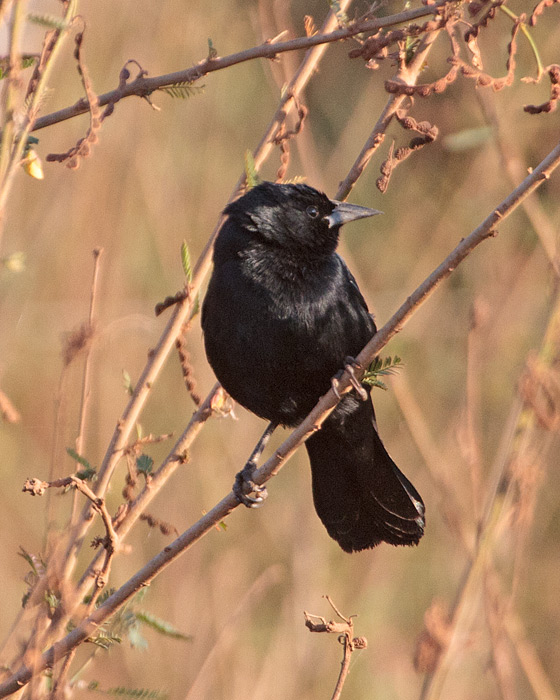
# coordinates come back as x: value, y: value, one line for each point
x: 281, y: 314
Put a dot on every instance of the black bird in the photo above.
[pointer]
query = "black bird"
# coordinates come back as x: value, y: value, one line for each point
x: 282, y: 315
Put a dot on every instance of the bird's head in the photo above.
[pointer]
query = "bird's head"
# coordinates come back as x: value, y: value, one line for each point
x: 297, y: 218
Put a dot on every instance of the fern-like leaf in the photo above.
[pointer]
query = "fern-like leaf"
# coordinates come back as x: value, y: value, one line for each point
x: 182, y: 90
x: 161, y: 626
x: 381, y: 368
x: 186, y: 261
x: 48, y: 21
x: 88, y: 473
x: 104, y: 640
x: 122, y: 692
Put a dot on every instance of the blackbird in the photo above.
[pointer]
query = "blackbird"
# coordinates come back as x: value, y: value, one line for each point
x: 281, y: 316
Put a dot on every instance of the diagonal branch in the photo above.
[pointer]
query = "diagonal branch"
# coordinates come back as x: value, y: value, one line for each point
x: 183, y: 310
x: 142, y: 86
x: 313, y: 421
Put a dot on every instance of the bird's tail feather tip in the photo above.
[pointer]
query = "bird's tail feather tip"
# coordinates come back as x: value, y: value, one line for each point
x: 373, y: 524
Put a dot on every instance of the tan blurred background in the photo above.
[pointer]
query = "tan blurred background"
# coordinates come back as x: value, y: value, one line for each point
x: 158, y: 177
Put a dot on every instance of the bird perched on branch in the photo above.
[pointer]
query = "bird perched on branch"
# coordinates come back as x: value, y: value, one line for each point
x: 282, y: 316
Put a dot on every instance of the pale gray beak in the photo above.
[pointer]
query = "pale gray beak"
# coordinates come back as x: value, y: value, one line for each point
x: 344, y: 212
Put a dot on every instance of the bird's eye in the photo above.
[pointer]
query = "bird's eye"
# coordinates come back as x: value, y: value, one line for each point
x: 313, y: 212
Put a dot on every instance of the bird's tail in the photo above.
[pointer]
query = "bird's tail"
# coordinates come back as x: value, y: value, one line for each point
x: 359, y: 492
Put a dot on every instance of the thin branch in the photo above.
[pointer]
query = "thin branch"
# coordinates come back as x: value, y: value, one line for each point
x: 345, y: 631
x: 407, y: 75
x: 174, y: 459
x: 16, y: 146
x: 182, y: 311
x: 86, y: 381
x: 8, y: 412
x: 323, y: 408
x: 510, y: 500
x: 37, y: 487
x: 143, y: 86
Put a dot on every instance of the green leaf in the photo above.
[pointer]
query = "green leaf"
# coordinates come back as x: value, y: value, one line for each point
x: 26, y: 62
x: 51, y: 600
x: 182, y: 90
x: 35, y: 562
x: 86, y: 474
x: 381, y: 368
x: 212, y: 52
x: 144, y: 464
x: 104, y: 640
x: 161, y: 626
x: 135, y: 693
x: 196, y: 306
x: 341, y: 16
x: 48, y: 21
x: 251, y: 173
x: 186, y: 261
x: 127, y: 382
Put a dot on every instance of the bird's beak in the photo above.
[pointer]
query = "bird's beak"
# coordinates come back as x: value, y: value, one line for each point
x: 344, y: 212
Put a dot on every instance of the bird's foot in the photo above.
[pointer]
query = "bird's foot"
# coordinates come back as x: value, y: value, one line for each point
x: 350, y: 365
x: 250, y: 494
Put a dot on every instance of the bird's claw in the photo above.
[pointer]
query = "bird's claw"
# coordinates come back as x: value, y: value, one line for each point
x: 350, y: 365
x: 244, y: 487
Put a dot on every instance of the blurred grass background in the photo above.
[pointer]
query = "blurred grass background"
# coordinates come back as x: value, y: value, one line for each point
x: 158, y: 177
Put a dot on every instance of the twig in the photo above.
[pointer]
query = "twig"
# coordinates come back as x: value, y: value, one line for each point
x: 509, y: 493
x: 323, y: 408
x: 8, y: 411
x: 408, y: 75
x: 68, y: 548
x: 530, y: 662
x: 449, y: 505
x: 86, y: 380
x: 15, y: 147
x: 182, y: 311
x: 37, y: 487
x: 143, y: 86
x: 345, y: 631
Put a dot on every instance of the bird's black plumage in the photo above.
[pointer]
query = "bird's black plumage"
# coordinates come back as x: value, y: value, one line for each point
x: 281, y: 314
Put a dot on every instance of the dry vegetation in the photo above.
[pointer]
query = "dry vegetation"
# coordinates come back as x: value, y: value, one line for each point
x: 423, y: 118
